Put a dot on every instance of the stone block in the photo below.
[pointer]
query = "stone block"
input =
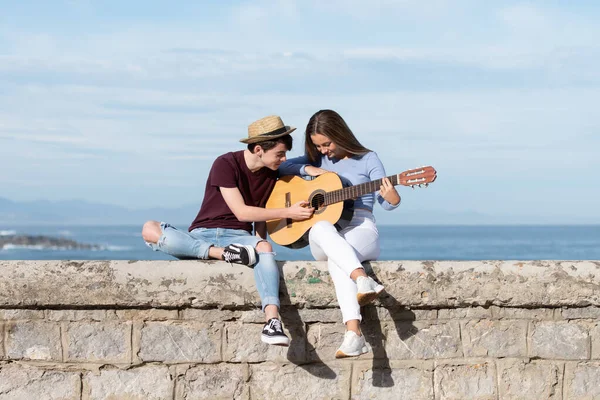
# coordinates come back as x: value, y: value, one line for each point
x: 464, y: 313
x: 154, y: 314
x: 186, y: 342
x: 421, y: 340
x: 211, y: 315
x: 312, y: 315
x: 38, y: 340
x: 149, y: 382
x: 535, y: 314
x: 18, y: 381
x: 215, y: 382
x: 400, y: 381
x: 494, y: 338
x: 108, y: 342
x: 582, y: 380
x: 373, y: 313
x: 271, y: 381
x: 581, y: 313
x: 20, y: 314
x: 559, y: 340
x: 76, y: 315
x: 466, y: 381
x: 519, y: 379
x: 324, y: 340
x: 595, y: 335
x: 243, y: 344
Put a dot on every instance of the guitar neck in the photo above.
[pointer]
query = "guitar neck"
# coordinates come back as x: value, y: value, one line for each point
x: 353, y: 192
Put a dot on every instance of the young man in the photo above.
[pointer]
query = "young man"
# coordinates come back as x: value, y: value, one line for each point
x: 237, y: 189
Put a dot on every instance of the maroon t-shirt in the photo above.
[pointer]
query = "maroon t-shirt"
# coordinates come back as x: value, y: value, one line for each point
x: 229, y: 171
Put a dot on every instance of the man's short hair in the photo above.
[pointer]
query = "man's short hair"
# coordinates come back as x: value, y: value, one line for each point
x: 269, y: 144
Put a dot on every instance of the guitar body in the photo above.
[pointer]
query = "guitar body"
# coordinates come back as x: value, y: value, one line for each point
x: 291, y: 189
x: 331, y: 200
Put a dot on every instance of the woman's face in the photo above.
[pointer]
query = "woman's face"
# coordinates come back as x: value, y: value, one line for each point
x: 326, y: 147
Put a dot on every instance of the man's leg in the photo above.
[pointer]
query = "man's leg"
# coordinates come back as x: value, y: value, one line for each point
x: 266, y: 275
x: 168, y: 239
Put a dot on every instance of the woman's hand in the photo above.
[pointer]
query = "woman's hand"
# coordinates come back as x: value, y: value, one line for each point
x: 314, y: 171
x: 389, y: 193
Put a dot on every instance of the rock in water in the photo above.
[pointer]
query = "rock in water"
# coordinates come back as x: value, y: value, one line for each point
x: 45, y: 242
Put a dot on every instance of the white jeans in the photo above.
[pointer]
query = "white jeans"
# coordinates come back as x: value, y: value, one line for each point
x: 344, y: 252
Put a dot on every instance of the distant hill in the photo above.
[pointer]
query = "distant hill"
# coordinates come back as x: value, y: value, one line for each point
x: 79, y: 212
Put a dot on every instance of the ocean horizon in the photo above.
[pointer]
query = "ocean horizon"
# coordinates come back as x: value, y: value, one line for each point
x: 398, y: 242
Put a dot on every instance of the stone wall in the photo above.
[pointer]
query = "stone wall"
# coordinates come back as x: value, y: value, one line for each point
x: 190, y: 330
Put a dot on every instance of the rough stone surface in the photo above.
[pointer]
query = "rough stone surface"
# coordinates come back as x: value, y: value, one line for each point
x: 470, y: 381
x: 214, y: 382
x: 422, y: 340
x: 180, y: 342
x: 412, y: 284
x: 22, y: 382
x: 503, y: 338
x: 582, y: 381
x: 559, y: 340
x: 36, y: 340
x: 519, y: 379
x: 595, y: 334
x: 308, y: 382
x: 28, y: 315
x: 400, y: 381
x: 107, y: 342
x: 143, y: 383
x: 76, y: 315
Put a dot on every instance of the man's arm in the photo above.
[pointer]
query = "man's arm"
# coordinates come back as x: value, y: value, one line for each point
x: 245, y: 213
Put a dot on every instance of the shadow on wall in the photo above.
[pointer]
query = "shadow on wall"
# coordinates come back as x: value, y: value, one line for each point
x: 303, y: 354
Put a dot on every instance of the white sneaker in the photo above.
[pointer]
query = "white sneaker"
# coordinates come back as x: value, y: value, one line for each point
x: 352, y: 346
x: 368, y: 290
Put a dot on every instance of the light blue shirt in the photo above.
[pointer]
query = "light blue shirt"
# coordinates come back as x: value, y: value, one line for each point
x: 352, y: 171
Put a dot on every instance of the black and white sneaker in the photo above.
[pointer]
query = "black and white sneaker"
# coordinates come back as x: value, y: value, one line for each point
x: 240, y: 254
x: 272, y: 333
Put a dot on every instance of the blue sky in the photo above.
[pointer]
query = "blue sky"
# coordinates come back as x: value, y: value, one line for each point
x: 128, y: 103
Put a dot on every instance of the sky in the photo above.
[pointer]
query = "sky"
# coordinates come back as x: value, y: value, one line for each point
x: 128, y: 103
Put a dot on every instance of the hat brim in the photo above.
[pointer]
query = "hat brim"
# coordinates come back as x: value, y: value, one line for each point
x: 264, y: 138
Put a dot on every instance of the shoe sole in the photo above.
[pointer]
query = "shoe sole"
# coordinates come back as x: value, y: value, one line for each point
x: 341, y: 354
x: 274, y: 341
x: 369, y: 297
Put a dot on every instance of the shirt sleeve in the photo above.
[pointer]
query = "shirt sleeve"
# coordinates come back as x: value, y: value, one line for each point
x: 377, y: 171
x: 294, y: 166
x: 223, y: 173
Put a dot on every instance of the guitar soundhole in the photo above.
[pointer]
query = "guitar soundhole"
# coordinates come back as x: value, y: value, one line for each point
x: 317, y: 201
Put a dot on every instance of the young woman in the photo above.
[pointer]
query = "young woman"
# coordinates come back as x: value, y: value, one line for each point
x: 330, y: 145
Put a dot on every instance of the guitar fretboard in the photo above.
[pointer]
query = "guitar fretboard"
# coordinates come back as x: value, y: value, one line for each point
x: 353, y: 192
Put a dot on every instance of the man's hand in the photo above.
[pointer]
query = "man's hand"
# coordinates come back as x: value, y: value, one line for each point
x: 299, y: 211
x: 389, y: 192
x: 314, y: 171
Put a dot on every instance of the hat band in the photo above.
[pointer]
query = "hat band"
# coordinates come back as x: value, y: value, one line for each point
x: 275, y: 132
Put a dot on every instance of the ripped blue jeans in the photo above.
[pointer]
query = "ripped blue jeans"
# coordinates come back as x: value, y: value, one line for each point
x: 195, y: 245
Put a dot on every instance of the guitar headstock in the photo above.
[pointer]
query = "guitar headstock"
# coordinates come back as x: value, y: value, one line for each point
x: 422, y: 176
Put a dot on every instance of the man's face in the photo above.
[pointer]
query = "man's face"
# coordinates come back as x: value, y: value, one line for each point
x: 273, y: 158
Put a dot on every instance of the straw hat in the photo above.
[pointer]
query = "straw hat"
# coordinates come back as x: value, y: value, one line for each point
x: 267, y: 128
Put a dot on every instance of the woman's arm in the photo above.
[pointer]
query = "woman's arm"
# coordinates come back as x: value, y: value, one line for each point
x: 387, y: 196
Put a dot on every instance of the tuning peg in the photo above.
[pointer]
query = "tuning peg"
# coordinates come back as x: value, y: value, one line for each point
x: 426, y: 185
x: 412, y: 186
x: 420, y: 185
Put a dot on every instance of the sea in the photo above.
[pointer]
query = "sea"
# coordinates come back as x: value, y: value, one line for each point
x: 409, y: 242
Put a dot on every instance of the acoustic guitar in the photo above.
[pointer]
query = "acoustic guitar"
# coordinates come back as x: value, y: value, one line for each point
x: 327, y: 196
